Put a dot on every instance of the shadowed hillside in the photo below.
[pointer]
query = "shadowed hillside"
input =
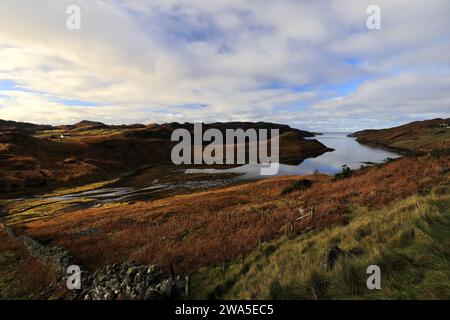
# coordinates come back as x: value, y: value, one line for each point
x: 44, y: 157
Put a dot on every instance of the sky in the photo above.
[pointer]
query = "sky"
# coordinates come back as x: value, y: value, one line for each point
x: 311, y: 64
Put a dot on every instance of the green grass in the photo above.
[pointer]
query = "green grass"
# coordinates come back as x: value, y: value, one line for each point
x: 409, y: 240
x: 7, y: 258
x: 11, y: 283
x: 27, y: 211
x: 19, y: 210
x: 56, y: 133
x: 82, y: 188
x: 429, y: 137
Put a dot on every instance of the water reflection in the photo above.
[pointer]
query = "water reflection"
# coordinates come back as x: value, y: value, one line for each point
x: 347, y: 152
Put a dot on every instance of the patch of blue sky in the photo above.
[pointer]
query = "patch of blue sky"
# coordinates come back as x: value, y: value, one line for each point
x: 354, y: 61
x: 198, y: 29
x: 348, y: 87
x: 275, y: 84
x: 8, y: 85
x: 192, y: 106
x: 342, y: 88
x: 76, y: 102
x: 291, y: 107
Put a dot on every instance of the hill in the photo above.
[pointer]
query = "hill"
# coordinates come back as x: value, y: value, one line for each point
x: 12, y: 125
x: 36, y: 158
x: 419, y: 136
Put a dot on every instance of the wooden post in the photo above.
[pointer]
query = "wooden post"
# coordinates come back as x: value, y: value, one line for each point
x: 224, y: 267
x: 314, y: 293
x: 186, y: 287
x: 172, y: 273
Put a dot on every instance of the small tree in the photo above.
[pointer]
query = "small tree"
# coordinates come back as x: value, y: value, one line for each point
x: 345, y: 173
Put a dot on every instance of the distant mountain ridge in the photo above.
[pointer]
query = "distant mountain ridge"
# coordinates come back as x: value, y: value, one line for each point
x: 13, y: 125
x: 89, y: 125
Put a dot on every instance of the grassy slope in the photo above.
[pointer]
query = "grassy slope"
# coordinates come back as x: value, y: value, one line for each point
x: 417, y: 136
x: 408, y: 239
x: 202, y: 228
x: 21, y: 275
x: 431, y: 137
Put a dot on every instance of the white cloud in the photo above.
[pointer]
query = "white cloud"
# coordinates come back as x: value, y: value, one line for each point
x: 282, y: 61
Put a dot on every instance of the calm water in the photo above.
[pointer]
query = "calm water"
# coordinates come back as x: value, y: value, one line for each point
x: 347, y: 151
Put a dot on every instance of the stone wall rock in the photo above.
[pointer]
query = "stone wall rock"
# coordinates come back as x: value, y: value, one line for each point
x: 130, y: 281
x: 125, y: 281
x: 58, y: 257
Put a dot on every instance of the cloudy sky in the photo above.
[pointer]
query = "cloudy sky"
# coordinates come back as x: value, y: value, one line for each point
x: 310, y: 64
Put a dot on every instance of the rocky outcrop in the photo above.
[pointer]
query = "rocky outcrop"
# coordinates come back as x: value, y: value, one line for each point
x: 130, y: 281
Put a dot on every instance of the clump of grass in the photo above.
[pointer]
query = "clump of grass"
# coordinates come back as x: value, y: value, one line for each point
x: 296, y: 186
x: 22, y: 276
x: 438, y: 153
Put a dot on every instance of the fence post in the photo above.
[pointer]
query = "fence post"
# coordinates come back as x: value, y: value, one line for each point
x: 186, y: 287
x: 172, y: 273
x: 224, y: 267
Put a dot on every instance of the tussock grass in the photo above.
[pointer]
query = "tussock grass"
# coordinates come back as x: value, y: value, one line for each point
x: 409, y: 240
x: 22, y: 276
x: 430, y: 137
x: 296, y: 186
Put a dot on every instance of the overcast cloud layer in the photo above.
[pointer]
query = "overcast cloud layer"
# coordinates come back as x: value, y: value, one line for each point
x: 310, y: 64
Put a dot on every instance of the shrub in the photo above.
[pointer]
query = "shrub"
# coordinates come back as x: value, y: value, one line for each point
x: 297, y: 185
x: 345, y: 173
x: 438, y: 153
